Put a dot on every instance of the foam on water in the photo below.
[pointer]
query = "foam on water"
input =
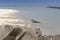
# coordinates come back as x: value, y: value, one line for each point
x: 9, y: 16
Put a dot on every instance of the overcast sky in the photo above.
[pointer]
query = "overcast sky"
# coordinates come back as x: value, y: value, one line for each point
x: 36, y: 9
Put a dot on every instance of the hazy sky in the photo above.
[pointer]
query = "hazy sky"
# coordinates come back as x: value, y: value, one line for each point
x: 36, y: 9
